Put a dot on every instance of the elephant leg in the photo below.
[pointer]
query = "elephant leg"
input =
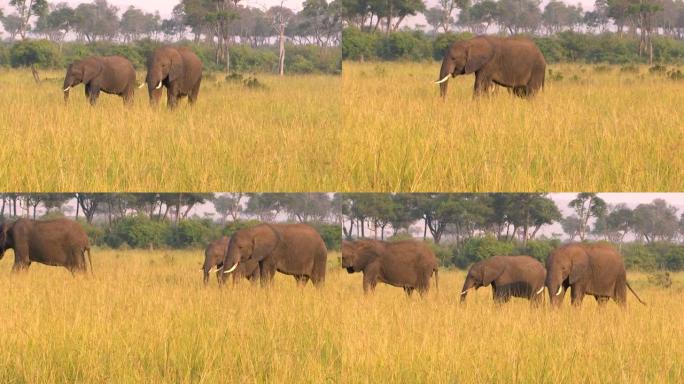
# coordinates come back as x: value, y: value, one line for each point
x: 576, y: 295
x: 369, y: 282
x: 171, y: 97
x: 94, y: 94
x: 128, y: 97
x: 602, y: 300
x: 192, y: 98
x: 267, y: 271
x: 482, y: 84
x: 408, y: 291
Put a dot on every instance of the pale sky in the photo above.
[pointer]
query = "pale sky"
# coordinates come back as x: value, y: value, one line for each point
x: 164, y: 6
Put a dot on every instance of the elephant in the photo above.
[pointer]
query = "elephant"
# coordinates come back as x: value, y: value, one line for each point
x: 213, y: 257
x: 515, y: 63
x: 176, y: 68
x: 59, y: 242
x: 509, y: 276
x: 109, y: 74
x: 407, y: 264
x: 593, y: 269
x: 291, y: 249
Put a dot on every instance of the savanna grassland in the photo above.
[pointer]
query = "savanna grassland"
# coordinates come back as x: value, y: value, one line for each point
x: 280, y: 137
x: 598, y: 129
x: 145, y: 317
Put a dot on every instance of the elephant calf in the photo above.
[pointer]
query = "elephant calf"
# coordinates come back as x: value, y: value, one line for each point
x: 407, y: 264
x: 509, y: 276
x: 58, y: 242
x: 109, y: 74
x: 588, y: 269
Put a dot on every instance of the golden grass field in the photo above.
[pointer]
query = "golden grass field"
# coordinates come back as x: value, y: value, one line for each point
x: 597, y: 131
x: 144, y: 317
x: 281, y: 138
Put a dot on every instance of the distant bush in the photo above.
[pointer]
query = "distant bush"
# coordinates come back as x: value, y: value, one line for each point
x: 243, y: 58
x: 562, y: 47
x: 41, y: 53
x: 331, y: 234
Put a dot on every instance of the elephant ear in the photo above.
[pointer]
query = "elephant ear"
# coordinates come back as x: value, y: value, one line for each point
x: 177, y: 67
x: 91, y: 70
x: 478, y: 54
x: 577, y: 272
x: 365, y: 254
x: 491, y: 272
x: 263, y: 244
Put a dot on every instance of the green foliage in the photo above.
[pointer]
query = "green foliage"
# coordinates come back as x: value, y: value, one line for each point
x: 331, y: 234
x: 237, y: 225
x: 243, y: 58
x: 137, y: 232
x: 561, y: 47
x: 655, y: 256
x: 539, y: 249
x: 480, y: 248
x: 192, y: 233
x: 41, y: 53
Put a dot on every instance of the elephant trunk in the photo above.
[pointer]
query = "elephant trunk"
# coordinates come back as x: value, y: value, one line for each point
x: 154, y: 82
x: 467, y: 286
x: 68, y: 83
x: 444, y: 73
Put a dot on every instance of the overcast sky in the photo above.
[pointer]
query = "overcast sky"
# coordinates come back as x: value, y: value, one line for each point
x: 165, y: 6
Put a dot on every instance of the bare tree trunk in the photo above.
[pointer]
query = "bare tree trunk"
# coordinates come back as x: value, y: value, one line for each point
x: 281, y: 51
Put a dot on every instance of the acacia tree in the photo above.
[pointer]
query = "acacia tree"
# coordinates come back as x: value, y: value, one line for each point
x: 587, y: 206
x: 27, y: 9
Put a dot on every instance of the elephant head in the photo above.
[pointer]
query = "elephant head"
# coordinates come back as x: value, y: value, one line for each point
x: 482, y: 274
x: 165, y: 66
x: 253, y: 245
x: 82, y: 71
x: 462, y: 58
x: 357, y: 254
x: 5, y: 239
x: 563, y: 269
x: 210, y: 262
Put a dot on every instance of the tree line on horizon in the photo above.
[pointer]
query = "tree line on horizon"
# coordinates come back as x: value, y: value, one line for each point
x: 639, y: 20
x: 167, y: 220
x: 467, y: 227
x: 222, y: 24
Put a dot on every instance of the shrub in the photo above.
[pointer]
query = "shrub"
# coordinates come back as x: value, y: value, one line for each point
x: 137, y: 232
x: 331, y: 234
x: 192, y: 233
x: 357, y: 45
x: 480, y: 248
x: 40, y: 53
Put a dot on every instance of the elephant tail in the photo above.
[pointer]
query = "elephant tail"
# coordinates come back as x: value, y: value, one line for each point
x: 634, y: 293
x: 90, y: 260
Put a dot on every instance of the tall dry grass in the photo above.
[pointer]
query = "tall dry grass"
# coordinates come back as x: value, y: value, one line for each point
x: 279, y: 138
x: 145, y: 317
x: 593, y: 130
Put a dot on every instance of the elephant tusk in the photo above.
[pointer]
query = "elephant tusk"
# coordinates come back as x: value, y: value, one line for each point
x: 142, y: 85
x: 231, y: 269
x: 466, y: 291
x: 560, y: 290
x: 540, y: 290
x: 67, y: 89
x: 159, y: 85
x: 443, y: 80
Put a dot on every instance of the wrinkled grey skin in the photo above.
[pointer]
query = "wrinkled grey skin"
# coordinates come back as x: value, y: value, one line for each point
x: 58, y: 242
x: 515, y: 63
x: 109, y: 74
x: 176, y: 68
x: 292, y: 249
x: 587, y: 269
x: 509, y: 276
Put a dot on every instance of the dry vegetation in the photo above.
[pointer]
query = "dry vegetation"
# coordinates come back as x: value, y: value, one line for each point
x: 605, y: 129
x: 145, y: 317
x: 279, y: 138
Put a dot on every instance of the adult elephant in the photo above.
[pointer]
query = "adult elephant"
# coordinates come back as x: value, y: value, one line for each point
x: 406, y: 264
x: 588, y: 269
x: 509, y: 276
x: 109, y: 74
x: 514, y: 62
x: 176, y: 68
x: 213, y: 257
x: 58, y: 242
x: 291, y: 249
